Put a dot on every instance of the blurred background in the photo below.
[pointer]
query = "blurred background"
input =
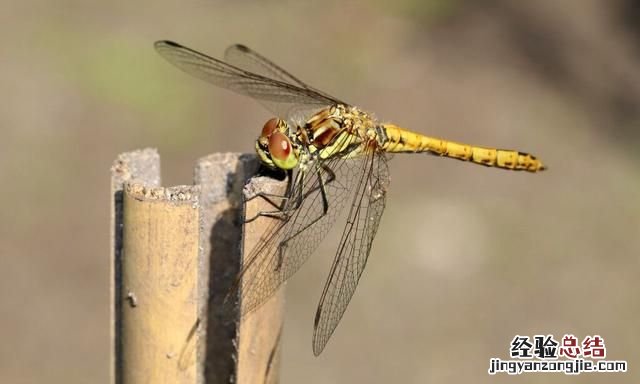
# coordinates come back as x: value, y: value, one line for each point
x: 466, y: 257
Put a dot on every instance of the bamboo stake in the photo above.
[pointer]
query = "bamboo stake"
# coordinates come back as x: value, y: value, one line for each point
x: 176, y: 253
x: 143, y: 165
x: 254, y: 342
x: 260, y: 332
x: 159, y: 278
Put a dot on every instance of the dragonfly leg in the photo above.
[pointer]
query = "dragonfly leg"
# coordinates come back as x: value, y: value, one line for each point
x: 321, y: 185
x: 268, y: 198
x: 281, y: 213
x: 325, y: 208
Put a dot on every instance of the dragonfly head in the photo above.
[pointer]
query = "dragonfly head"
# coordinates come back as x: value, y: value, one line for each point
x: 274, y: 146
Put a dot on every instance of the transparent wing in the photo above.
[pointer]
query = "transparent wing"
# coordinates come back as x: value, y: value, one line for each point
x: 281, y: 97
x: 354, y: 248
x: 245, y: 58
x: 288, y: 243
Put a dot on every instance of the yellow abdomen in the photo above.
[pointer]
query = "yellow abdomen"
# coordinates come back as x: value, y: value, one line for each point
x: 399, y: 140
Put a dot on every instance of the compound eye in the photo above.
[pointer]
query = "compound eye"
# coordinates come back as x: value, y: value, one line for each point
x: 281, y: 152
x: 269, y: 127
x: 279, y: 146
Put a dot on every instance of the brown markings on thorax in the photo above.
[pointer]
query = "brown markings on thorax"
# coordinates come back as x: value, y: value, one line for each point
x: 325, y: 126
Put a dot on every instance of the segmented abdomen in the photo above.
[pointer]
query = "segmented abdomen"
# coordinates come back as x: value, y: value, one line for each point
x: 397, y: 140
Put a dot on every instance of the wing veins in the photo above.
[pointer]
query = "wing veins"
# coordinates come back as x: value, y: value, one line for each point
x: 352, y: 252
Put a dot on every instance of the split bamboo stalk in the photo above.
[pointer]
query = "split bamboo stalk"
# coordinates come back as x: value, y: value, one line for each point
x: 176, y: 253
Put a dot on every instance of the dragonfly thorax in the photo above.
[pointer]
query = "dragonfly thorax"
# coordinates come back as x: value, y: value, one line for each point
x: 334, y: 130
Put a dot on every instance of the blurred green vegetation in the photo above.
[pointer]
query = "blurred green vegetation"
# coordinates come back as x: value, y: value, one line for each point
x: 429, y: 11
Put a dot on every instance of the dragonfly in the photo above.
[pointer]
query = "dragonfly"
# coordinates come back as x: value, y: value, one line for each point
x: 336, y: 158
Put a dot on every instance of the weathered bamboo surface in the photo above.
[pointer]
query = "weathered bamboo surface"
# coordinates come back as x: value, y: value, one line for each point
x: 176, y: 253
x: 159, y: 279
